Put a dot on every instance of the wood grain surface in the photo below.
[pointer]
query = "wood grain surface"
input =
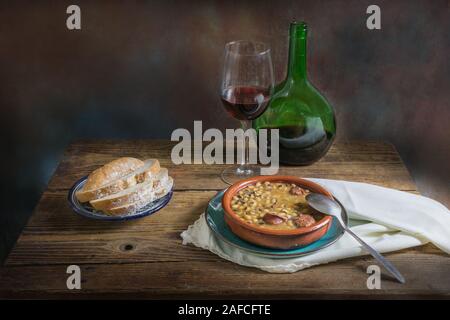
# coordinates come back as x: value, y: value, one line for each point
x: 146, y: 259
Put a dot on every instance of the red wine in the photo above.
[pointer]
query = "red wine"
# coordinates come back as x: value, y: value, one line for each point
x: 245, y: 103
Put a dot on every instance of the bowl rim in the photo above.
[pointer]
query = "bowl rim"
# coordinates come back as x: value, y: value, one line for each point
x: 307, y: 184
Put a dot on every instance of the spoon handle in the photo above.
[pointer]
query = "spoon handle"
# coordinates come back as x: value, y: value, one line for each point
x: 388, y: 265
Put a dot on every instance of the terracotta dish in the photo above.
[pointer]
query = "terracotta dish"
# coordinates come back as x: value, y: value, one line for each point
x: 282, y: 238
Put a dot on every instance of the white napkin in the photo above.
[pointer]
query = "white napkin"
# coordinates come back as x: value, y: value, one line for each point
x: 386, y: 219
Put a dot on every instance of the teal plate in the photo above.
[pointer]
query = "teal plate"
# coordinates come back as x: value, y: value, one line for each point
x: 216, y: 222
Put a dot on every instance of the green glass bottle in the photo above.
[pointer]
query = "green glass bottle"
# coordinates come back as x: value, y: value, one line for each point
x: 303, y: 116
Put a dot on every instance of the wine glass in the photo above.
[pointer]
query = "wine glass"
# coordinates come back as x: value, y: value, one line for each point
x: 247, y: 85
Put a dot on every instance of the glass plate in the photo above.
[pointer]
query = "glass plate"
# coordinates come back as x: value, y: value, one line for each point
x: 214, y: 219
x: 85, y: 210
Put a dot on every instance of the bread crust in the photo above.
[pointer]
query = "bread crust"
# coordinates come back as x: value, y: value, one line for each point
x: 111, y: 171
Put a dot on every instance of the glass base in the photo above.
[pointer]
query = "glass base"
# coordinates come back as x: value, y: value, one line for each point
x: 234, y: 174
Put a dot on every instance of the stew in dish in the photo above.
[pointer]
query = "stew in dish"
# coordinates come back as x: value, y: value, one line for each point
x: 276, y: 205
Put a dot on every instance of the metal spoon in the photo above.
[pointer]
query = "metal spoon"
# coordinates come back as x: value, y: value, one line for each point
x: 330, y: 207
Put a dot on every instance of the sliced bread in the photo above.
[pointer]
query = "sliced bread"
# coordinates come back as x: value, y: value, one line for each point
x: 140, y: 174
x: 145, y: 199
x: 132, y: 194
x: 111, y: 171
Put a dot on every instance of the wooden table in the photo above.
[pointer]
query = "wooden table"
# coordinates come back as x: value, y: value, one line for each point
x: 145, y: 258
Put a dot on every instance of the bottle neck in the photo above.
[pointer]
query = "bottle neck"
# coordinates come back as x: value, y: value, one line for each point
x: 297, y: 52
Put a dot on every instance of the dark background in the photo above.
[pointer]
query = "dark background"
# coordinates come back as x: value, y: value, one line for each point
x: 141, y: 69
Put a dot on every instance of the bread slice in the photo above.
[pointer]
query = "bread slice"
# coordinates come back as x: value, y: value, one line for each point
x: 144, y: 200
x: 111, y: 171
x: 148, y: 168
x: 133, y: 194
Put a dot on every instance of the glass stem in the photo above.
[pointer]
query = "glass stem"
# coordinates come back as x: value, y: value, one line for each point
x: 246, y: 124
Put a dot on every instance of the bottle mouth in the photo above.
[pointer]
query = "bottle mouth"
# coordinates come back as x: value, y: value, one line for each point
x: 301, y: 24
x: 298, y: 29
